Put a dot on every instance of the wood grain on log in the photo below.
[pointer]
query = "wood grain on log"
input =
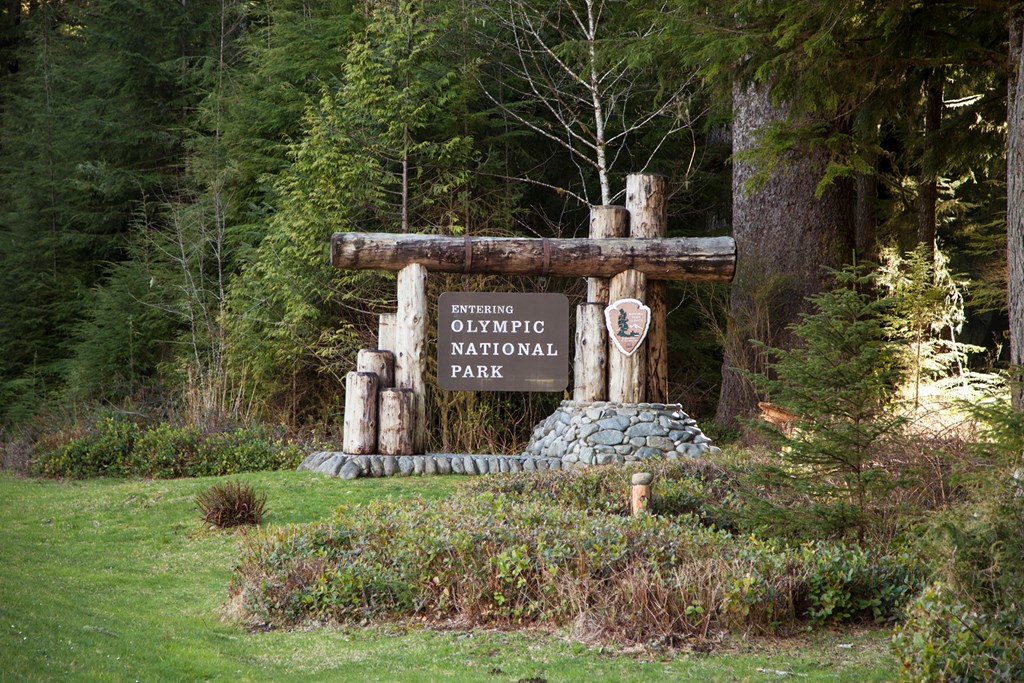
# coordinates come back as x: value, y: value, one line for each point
x: 411, y: 343
x: 397, y: 421
x: 379, y: 362
x: 606, y: 222
x: 648, y: 219
x: 627, y: 376
x: 360, y: 436
x: 683, y: 258
x: 590, y: 372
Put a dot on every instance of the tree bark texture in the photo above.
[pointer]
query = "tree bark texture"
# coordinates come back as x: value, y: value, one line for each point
x: 379, y: 362
x: 397, y: 421
x: 682, y: 258
x: 590, y: 370
x: 627, y: 375
x: 360, y: 435
x: 411, y: 344
x: 647, y: 204
x: 1015, y: 201
x: 788, y: 237
x: 606, y: 222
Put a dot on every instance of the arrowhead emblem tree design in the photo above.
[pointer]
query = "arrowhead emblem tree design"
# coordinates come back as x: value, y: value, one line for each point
x: 628, y: 321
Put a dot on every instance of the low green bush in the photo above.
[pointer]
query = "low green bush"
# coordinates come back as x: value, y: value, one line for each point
x: 504, y: 559
x: 115, y: 446
x: 946, y: 639
x: 681, y: 487
x: 104, y: 448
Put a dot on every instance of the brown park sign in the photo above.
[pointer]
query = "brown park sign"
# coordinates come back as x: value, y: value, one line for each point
x: 628, y: 321
x: 489, y: 341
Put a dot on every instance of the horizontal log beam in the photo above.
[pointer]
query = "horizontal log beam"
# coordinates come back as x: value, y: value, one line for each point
x: 682, y: 258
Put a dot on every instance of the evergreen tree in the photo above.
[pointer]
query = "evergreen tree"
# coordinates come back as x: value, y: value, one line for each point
x: 839, y: 382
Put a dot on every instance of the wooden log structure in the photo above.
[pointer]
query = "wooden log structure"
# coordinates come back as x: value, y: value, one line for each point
x: 627, y: 374
x: 647, y: 204
x: 710, y: 259
x: 360, y: 436
x: 591, y: 366
x: 606, y: 222
x: 397, y: 421
x: 387, y: 328
x: 379, y: 362
x: 411, y: 344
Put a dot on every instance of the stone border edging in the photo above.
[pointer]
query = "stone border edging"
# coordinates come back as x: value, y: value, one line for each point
x: 337, y: 464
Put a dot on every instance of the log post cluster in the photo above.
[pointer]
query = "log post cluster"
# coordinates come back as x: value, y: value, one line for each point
x: 602, y: 372
x: 385, y: 398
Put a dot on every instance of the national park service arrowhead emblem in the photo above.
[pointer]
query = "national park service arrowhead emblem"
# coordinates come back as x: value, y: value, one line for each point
x: 628, y: 321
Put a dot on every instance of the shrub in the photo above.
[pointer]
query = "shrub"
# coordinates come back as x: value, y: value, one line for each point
x: 498, y: 559
x: 115, y: 446
x: 101, y: 449
x: 946, y: 639
x: 231, y: 504
x: 166, y: 451
x: 682, y: 487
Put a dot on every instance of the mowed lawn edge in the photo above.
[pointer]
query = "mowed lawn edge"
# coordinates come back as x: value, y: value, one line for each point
x: 117, y: 580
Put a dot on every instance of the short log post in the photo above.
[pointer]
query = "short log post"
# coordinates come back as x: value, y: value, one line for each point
x: 411, y: 344
x: 640, y: 492
x: 360, y: 437
x: 387, y: 328
x: 379, y: 362
x: 647, y: 205
x: 397, y: 421
x: 590, y: 371
x: 605, y: 222
x: 627, y: 374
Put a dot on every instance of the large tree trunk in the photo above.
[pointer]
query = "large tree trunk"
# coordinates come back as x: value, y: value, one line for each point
x: 1015, y: 200
x: 786, y: 238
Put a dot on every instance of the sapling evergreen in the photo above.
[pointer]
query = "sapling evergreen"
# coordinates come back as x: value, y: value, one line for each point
x: 841, y: 383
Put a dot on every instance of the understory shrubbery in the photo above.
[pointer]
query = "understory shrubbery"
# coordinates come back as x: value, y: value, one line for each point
x: 486, y: 558
x: 114, y: 446
x: 684, y: 487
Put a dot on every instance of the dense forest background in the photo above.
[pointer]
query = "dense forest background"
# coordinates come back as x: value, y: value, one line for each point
x: 171, y: 172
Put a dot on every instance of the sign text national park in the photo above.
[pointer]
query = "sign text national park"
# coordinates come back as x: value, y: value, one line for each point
x: 502, y: 342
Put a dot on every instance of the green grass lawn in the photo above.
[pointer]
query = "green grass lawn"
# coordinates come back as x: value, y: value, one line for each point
x: 112, y: 580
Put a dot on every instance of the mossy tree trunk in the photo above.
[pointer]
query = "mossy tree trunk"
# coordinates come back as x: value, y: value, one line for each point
x: 1015, y: 198
x: 786, y: 238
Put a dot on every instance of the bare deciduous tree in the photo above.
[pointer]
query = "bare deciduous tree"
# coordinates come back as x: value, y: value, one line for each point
x: 567, y: 72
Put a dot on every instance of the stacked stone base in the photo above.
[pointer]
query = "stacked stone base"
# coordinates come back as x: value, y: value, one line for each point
x: 581, y: 434
x: 577, y: 434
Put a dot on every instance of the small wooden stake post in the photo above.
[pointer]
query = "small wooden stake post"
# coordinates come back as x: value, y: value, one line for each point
x: 360, y: 437
x: 640, y: 492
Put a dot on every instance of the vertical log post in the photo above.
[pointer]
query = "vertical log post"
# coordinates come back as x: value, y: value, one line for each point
x: 360, y: 437
x: 605, y: 222
x: 411, y: 344
x: 380, y: 363
x: 647, y: 204
x: 590, y: 370
x: 387, y: 328
x: 627, y: 374
x: 397, y: 421
x: 640, y: 492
